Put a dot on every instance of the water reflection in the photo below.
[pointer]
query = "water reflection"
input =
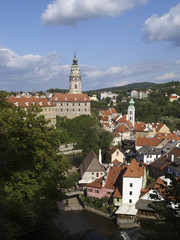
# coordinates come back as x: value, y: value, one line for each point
x: 94, y: 226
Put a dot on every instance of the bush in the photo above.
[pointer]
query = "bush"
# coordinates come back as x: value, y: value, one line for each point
x: 72, y: 179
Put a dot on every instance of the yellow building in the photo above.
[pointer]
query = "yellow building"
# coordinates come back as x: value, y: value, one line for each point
x: 48, y: 107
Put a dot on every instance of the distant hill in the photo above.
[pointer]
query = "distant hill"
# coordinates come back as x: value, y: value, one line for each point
x: 132, y: 86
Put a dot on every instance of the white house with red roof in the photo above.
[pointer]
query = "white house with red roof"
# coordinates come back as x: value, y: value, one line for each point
x: 149, y: 196
x: 173, y: 97
x: 133, y: 180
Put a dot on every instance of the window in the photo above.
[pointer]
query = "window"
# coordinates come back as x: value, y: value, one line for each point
x: 117, y: 153
x: 130, y: 193
x: 89, y: 190
x: 130, y: 200
x: 96, y: 191
x: 131, y: 185
x: 92, y: 173
x: 153, y: 196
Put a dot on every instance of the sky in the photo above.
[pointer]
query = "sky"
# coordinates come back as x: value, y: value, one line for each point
x: 117, y: 42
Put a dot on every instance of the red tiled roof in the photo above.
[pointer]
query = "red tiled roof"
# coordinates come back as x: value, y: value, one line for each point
x: 30, y: 101
x: 161, y: 163
x: 158, y: 126
x: 118, y: 192
x: 139, y: 126
x: 156, y: 184
x: 68, y: 97
x: 96, y: 183
x: 116, y: 163
x: 104, y: 118
x: 134, y: 170
x: 123, y: 119
x: 122, y: 128
x: 112, y: 177
x: 141, y: 141
x: 168, y: 136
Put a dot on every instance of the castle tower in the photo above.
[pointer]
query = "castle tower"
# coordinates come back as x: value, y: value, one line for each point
x: 131, y: 112
x: 75, y: 78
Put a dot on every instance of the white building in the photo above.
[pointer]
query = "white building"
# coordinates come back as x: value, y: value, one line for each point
x: 133, y: 181
x: 107, y: 95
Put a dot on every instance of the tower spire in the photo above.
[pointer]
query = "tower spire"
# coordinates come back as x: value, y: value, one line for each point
x: 75, y: 77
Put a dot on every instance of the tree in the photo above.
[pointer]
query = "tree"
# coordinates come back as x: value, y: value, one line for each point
x: 32, y: 174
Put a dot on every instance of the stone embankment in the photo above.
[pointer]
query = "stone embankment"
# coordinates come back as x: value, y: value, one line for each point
x: 71, y: 204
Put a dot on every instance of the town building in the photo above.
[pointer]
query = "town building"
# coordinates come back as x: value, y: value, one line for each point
x: 74, y: 103
x: 91, y: 168
x: 173, y: 97
x: 148, y: 154
x: 149, y: 196
x: 165, y: 164
x: 114, y: 153
x: 104, y: 95
x: 47, y: 107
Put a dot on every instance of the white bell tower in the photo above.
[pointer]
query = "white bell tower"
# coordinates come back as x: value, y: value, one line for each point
x: 131, y: 112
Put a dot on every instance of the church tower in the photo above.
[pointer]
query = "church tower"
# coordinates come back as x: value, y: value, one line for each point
x: 131, y: 112
x: 75, y: 78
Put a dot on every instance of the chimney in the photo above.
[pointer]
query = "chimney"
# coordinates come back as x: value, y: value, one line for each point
x: 100, y: 157
x: 172, y: 158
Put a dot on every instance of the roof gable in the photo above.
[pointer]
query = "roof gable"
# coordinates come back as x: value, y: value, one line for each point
x: 91, y: 164
x: 134, y: 170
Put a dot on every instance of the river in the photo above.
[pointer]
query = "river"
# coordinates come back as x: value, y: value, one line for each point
x: 96, y: 227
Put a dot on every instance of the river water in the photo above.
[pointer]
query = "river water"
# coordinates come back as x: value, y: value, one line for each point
x: 96, y: 227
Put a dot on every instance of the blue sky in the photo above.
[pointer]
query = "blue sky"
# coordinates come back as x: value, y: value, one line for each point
x: 117, y: 42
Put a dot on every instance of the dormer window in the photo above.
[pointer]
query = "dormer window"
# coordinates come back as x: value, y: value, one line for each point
x: 75, y: 99
x: 84, y: 98
x: 56, y: 99
x: 16, y: 103
x: 26, y: 103
x: 49, y: 103
x: 65, y: 98
x: 40, y: 103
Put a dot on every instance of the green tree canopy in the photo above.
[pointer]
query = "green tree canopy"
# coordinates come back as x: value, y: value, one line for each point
x: 32, y: 174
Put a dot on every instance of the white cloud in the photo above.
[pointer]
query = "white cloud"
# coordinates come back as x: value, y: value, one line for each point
x: 164, y: 28
x: 29, y: 70
x: 167, y: 76
x: 69, y: 12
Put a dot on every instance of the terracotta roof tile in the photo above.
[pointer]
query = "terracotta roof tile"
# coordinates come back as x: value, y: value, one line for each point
x: 30, y: 101
x: 141, y: 141
x: 134, y: 170
x: 112, y: 177
x: 96, y: 183
x: 68, y: 97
